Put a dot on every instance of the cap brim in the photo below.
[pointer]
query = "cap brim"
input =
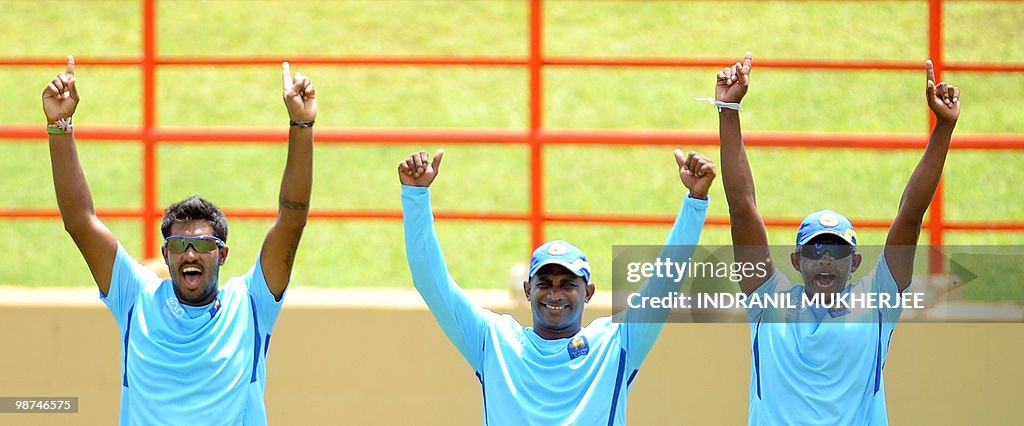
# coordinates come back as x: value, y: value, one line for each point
x: 829, y: 232
x: 578, y: 272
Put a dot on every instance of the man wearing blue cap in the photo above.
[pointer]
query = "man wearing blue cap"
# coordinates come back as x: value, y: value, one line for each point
x: 815, y: 365
x: 556, y: 372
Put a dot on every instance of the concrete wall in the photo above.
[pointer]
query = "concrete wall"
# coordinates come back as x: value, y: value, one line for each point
x: 367, y: 365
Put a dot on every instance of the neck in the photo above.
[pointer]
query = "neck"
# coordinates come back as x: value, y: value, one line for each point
x: 549, y: 334
x: 205, y: 301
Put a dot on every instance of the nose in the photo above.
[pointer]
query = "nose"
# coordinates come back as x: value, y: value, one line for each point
x: 190, y: 252
x: 826, y: 259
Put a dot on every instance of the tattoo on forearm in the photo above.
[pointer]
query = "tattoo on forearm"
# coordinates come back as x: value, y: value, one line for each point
x: 289, y: 256
x: 294, y: 205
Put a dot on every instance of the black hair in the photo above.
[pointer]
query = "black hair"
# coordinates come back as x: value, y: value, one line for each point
x: 195, y: 208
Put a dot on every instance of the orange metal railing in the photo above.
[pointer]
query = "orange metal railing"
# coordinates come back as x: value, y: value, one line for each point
x: 536, y: 136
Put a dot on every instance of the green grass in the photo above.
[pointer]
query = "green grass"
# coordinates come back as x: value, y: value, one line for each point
x: 356, y: 27
x: 110, y: 96
x: 348, y: 97
x: 41, y: 28
x: 722, y: 28
x: 864, y: 184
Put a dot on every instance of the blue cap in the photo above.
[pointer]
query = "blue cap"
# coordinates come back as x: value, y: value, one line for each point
x: 826, y: 222
x: 560, y: 253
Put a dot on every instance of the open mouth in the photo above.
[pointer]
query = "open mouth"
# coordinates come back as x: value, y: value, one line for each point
x: 192, y: 275
x: 824, y: 279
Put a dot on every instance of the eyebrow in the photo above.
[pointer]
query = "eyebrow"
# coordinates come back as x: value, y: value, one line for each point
x: 558, y: 278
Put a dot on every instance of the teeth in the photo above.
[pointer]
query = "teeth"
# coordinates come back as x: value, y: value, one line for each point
x: 556, y: 308
x: 189, y: 269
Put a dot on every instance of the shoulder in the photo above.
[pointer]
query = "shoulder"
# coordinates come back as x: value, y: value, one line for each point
x: 234, y: 284
x: 601, y: 327
x: 234, y: 291
x: 602, y: 323
x: 153, y: 287
x: 504, y: 323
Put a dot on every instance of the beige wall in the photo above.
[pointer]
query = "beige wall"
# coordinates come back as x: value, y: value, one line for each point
x: 367, y: 365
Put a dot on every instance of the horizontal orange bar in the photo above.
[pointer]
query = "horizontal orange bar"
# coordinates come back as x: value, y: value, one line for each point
x: 507, y: 61
x: 330, y: 214
x: 550, y: 136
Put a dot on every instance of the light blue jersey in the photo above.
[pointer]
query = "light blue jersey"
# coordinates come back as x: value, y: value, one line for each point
x: 183, y: 366
x: 815, y: 367
x: 527, y: 380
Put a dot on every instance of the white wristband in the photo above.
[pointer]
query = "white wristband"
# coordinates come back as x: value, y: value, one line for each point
x: 719, y: 104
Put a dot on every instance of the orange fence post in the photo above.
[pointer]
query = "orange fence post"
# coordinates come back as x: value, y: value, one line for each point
x: 936, y: 227
x: 149, y: 184
x: 536, y: 122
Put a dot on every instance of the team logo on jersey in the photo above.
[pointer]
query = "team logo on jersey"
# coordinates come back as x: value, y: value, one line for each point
x: 793, y: 314
x: 578, y: 347
x: 215, y: 307
x: 838, y: 312
x: 174, y: 308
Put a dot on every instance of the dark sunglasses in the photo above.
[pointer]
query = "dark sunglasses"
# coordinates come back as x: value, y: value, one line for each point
x: 817, y: 250
x: 201, y: 243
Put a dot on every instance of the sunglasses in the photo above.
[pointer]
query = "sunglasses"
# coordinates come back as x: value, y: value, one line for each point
x: 201, y: 243
x: 817, y: 250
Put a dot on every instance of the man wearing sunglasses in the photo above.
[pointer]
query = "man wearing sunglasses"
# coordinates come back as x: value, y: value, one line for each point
x: 818, y: 365
x: 193, y: 351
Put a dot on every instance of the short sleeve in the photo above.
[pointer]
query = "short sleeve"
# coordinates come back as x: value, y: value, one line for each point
x: 127, y: 278
x: 267, y: 307
x: 775, y: 283
x: 880, y: 281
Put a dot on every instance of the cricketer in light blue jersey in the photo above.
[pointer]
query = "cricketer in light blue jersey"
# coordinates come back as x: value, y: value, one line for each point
x: 556, y: 372
x: 185, y: 364
x: 792, y: 349
x: 817, y: 366
x: 192, y: 351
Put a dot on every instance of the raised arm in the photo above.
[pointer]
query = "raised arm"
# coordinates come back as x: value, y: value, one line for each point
x: 282, y: 242
x: 463, y: 322
x: 749, y: 238
x: 643, y: 325
x: 900, y: 245
x: 97, y: 244
x: 697, y: 172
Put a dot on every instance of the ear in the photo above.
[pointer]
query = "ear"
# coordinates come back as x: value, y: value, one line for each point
x: 163, y: 251
x: 223, y: 254
x: 855, y: 263
x: 590, y: 292
x: 794, y: 258
x: 526, y: 289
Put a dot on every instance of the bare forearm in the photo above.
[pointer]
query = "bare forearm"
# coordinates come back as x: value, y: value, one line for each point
x: 73, y: 196
x: 297, y: 182
x: 749, y: 237
x: 925, y: 179
x: 736, y: 175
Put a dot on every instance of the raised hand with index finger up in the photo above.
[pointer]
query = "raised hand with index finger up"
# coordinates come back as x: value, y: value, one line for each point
x: 943, y: 98
x: 299, y: 95
x: 732, y: 83
x: 60, y: 97
x: 696, y: 171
